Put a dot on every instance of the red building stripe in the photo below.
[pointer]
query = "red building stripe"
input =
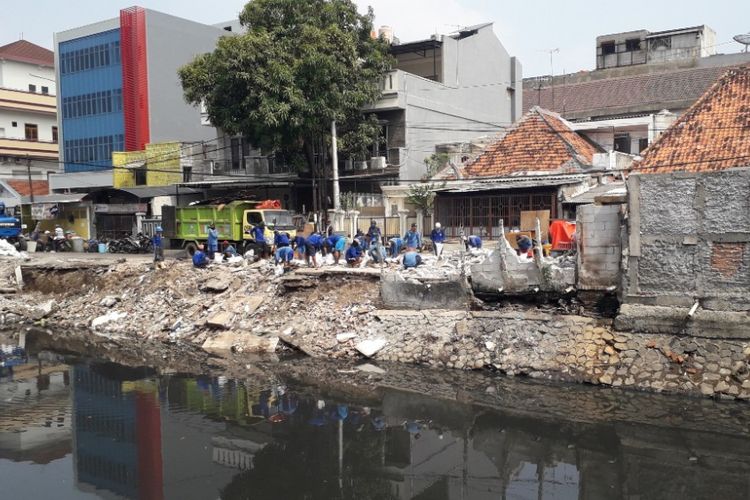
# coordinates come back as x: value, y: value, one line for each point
x: 134, y: 78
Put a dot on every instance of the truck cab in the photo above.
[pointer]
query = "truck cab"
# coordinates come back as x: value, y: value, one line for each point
x: 274, y: 219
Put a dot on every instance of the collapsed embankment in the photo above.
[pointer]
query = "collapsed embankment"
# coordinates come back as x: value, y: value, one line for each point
x: 228, y: 311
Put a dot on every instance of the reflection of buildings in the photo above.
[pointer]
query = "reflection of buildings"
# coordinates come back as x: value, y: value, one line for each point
x: 117, y: 435
x: 36, y: 428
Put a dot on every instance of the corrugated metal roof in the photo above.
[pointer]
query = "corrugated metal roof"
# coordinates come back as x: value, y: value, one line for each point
x: 521, y: 182
x: 144, y: 192
x: 55, y: 198
x: 589, y: 196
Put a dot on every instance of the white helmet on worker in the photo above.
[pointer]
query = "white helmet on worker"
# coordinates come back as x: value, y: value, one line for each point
x: 437, y: 225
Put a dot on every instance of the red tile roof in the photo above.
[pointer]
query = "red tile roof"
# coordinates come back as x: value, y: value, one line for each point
x: 27, y: 52
x: 21, y: 186
x: 540, y: 143
x: 674, y: 90
x: 714, y: 134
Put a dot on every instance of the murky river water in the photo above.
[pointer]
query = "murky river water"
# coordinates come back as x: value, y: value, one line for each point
x: 84, y: 429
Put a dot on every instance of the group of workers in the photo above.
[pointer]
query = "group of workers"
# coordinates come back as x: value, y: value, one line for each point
x: 371, y: 244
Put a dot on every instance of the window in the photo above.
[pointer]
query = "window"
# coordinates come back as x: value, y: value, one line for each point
x: 54, y: 134
x: 2, y: 132
x: 32, y: 132
x: 633, y: 44
x: 642, y: 144
x: 32, y: 87
x: 13, y: 124
x: 187, y: 174
x: 608, y: 48
x: 622, y: 143
x: 254, y: 218
x: 661, y: 43
x: 227, y: 28
x: 140, y: 176
x: 45, y: 90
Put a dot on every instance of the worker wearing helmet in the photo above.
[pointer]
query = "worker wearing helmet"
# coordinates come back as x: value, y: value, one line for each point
x: 158, y: 244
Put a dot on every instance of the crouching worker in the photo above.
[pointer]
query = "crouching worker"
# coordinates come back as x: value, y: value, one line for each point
x: 473, y: 242
x: 200, y: 259
x: 354, y: 254
x: 394, y: 246
x: 228, y: 250
x: 284, y: 255
x: 411, y: 259
x: 524, y: 244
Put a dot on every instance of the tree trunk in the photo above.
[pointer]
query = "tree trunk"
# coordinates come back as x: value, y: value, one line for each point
x: 310, y: 158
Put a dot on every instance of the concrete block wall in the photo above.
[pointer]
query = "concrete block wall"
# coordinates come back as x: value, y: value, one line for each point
x: 689, y: 239
x: 599, y: 246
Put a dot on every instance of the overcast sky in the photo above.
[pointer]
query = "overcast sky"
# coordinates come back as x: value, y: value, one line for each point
x: 529, y: 29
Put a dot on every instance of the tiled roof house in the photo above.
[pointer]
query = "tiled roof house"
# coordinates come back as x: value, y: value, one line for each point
x: 27, y: 52
x: 535, y: 166
x: 713, y: 134
x: 540, y: 143
x: 689, y: 222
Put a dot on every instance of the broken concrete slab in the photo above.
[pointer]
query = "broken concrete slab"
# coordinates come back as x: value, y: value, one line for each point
x: 43, y: 310
x: 370, y: 368
x: 227, y: 342
x: 108, y: 301
x: 106, y: 318
x: 370, y: 347
x: 345, y: 337
x: 217, y: 284
x: 221, y: 319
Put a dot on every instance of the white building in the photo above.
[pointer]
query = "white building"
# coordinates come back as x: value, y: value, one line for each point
x: 28, y: 111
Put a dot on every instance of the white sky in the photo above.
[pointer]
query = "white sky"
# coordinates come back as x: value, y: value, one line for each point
x: 527, y: 28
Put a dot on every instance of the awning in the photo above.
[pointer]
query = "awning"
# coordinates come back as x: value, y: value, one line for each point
x: 589, y: 197
x: 55, y: 198
x: 147, y: 192
x: 510, y: 183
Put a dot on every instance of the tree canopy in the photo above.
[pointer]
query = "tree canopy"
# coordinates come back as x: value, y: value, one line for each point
x: 301, y: 65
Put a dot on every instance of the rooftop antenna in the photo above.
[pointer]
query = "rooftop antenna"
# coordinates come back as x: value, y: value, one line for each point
x: 551, y: 53
x: 743, y: 39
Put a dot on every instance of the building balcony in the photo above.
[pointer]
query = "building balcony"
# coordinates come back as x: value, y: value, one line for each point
x: 19, y: 100
x: 393, y: 88
x: 21, y: 148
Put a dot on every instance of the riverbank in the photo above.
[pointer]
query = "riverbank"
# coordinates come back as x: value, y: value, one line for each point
x: 335, y: 313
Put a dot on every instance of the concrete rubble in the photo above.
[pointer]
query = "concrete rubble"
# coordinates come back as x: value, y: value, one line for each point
x: 338, y: 313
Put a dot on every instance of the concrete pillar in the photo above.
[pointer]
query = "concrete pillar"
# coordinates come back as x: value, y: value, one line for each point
x: 139, y: 216
x: 336, y: 218
x: 354, y: 221
x: 402, y: 221
x: 420, y: 220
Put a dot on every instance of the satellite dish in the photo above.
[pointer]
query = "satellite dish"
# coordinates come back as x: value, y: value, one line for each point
x: 743, y: 39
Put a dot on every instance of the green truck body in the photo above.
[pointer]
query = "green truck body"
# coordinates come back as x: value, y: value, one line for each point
x: 188, y: 226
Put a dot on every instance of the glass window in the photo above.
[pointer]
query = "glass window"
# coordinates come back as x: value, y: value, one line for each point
x: 608, y: 48
x: 32, y: 87
x: 54, y: 134
x: 45, y: 90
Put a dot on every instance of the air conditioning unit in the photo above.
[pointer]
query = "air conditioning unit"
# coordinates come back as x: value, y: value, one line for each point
x: 348, y: 165
x: 360, y: 165
x: 377, y: 163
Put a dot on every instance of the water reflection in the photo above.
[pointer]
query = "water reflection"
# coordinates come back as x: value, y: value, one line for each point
x: 132, y: 434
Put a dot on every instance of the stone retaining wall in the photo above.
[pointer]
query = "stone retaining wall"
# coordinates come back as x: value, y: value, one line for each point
x: 566, y: 348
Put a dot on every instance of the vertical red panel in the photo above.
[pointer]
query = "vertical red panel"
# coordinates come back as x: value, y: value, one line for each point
x: 148, y: 441
x: 134, y: 78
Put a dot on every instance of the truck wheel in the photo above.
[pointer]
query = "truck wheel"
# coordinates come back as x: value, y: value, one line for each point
x: 191, y: 248
x: 22, y: 244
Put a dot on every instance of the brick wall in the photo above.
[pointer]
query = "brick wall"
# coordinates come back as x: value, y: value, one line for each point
x: 599, y: 246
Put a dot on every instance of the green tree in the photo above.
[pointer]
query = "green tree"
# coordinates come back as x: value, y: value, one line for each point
x: 301, y: 65
x: 422, y: 195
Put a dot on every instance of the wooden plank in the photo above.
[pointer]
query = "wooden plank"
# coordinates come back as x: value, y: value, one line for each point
x: 528, y: 221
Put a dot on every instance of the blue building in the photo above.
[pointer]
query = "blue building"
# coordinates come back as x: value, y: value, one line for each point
x: 118, y: 89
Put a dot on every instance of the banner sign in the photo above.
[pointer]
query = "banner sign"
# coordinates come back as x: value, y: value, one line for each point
x: 122, y: 208
x: 44, y: 211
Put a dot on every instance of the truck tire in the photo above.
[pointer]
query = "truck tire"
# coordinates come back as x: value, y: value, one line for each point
x: 22, y: 244
x: 191, y: 248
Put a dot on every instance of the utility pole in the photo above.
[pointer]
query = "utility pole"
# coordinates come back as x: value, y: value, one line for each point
x: 28, y: 172
x: 335, y: 164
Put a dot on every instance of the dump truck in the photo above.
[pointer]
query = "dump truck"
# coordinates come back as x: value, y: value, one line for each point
x: 186, y: 227
x: 11, y: 229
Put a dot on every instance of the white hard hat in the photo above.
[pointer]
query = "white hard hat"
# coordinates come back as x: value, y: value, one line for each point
x: 437, y: 224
